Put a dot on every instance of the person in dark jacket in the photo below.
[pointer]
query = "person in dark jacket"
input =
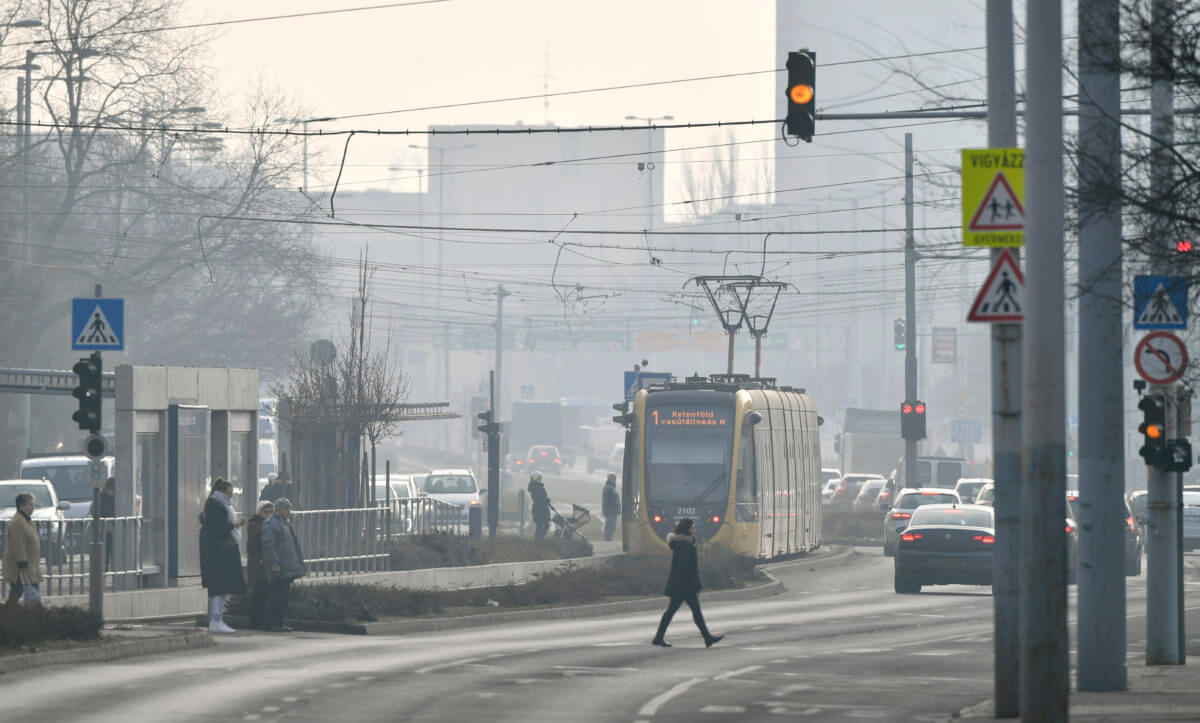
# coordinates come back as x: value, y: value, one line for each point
x: 683, y: 583
x: 256, y: 572
x: 610, y: 506
x: 284, y: 563
x: 541, y: 505
x: 273, y: 489
x: 108, y: 508
x: 220, y: 559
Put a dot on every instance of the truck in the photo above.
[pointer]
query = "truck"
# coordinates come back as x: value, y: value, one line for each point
x: 870, y: 441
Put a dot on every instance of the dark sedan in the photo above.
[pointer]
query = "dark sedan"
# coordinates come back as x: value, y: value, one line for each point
x: 946, y: 545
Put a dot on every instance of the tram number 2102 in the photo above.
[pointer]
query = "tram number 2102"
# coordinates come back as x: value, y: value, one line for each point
x: 684, y: 511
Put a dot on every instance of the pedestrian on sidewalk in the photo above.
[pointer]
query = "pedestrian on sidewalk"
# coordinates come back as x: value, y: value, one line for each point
x: 541, y: 506
x: 22, y: 550
x: 284, y: 562
x: 256, y: 571
x: 220, y: 559
x: 610, y: 506
x: 683, y: 583
x: 273, y: 489
x: 108, y: 510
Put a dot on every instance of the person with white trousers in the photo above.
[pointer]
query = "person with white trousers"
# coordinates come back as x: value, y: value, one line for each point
x: 220, y: 558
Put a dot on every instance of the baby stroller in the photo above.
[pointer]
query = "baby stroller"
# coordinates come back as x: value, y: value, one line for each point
x: 565, y: 527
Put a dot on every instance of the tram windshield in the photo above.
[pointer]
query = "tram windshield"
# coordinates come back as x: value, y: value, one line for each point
x: 688, y: 449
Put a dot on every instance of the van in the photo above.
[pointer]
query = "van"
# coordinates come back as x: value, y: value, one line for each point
x: 939, y: 472
x: 68, y: 474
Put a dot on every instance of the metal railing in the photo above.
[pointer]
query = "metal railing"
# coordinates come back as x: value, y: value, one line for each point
x: 335, y: 542
x: 65, y: 557
x: 425, y: 515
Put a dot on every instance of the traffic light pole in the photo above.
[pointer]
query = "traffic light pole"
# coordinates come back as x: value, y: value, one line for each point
x: 1162, y: 545
x: 1006, y: 395
x: 491, y: 428
x: 96, y: 549
x: 910, y: 310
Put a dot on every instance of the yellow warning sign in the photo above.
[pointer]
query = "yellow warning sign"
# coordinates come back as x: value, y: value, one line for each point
x: 993, y: 197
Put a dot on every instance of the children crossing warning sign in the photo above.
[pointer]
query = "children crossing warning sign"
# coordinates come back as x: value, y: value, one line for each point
x: 993, y: 189
x: 1000, y: 298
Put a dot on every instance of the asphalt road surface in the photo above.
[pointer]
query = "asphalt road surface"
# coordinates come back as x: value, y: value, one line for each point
x: 838, y: 645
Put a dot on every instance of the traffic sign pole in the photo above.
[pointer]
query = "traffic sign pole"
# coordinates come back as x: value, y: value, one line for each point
x: 1163, y: 586
x: 96, y: 549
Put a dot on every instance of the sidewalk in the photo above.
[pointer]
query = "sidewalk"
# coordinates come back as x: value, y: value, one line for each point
x: 1155, y: 693
x: 117, y: 642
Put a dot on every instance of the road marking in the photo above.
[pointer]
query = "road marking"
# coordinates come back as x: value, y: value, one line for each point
x: 657, y: 701
x: 723, y: 709
x: 866, y: 651
x: 271, y: 709
x: 290, y: 699
x: 779, y: 660
x: 934, y: 653
x: 439, y: 666
x: 591, y: 667
x: 613, y: 645
x: 740, y: 671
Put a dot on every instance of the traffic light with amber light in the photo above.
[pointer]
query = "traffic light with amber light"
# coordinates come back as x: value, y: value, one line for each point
x: 912, y: 420
x: 90, y: 371
x: 801, y: 94
x: 1153, y: 429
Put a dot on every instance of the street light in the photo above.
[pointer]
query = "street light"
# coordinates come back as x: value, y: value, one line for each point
x: 441, y: 151
x: 304, y: 124
x: 650, y: 164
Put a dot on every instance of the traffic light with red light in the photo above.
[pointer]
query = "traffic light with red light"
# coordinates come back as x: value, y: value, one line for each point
x: 1183, y: 246
x: 801, y: 94
x: 912, y: 420
x: 1153, y: 429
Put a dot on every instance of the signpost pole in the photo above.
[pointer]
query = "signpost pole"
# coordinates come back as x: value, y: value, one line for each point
x: 96, y: 549
x: 1162, y: 579
x: 910, y: 310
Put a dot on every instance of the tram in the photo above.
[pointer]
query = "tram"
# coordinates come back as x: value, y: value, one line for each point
x: 741, y: 457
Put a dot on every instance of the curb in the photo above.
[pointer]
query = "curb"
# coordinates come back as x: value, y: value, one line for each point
x: 839, y: 556
x: 650, y: 604
x: 108, y: 651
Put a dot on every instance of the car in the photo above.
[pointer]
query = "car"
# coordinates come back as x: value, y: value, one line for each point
x: 828, y: 490
x: 455, y: 487
x: 867, y: 493
x: 48, y: 515
x: 887, y: 493
x: 1139, y: 500
x: 939, y: 472
x: 847, y: 490
x: 1135, y: 543
x: 543, y: 458
x: 945, y: 544
x: 1191, y: 518
x: 69, y: 476
x: 968, y: 487
x: 829, y: 474
x: 907, y: 502
x: 986, y: 495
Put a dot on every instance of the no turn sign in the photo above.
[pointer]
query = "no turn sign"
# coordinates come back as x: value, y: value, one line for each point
x: 1161, y: 358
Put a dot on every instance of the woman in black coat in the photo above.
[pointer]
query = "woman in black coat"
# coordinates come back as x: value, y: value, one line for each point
x: 220, y: 558
x: 683, y: 583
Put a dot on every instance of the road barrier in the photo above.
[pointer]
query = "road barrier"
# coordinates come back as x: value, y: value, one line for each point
x: 65, y: 558
x: 424, y: 515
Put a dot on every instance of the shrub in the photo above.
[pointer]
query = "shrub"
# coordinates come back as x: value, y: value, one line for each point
x: 24, y: 625
x: 850, y: 526
x: 443, y: 550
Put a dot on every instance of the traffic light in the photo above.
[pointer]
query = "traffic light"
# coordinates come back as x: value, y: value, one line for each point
x: 1153, y: 429
x: 912, y: 420
x: 90, y: 371
x: 801, y: 94
x: 488, y: 427
x: 899, y: 334
x: 1183, y: 246
x: 1179, y: 455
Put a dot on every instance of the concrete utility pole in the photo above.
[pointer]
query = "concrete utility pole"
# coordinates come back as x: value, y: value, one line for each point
x: 1006, y: 394
x: 1101, y: 562
x: 500, y: 294
x: 910, y: 310
x: 1045, y: 673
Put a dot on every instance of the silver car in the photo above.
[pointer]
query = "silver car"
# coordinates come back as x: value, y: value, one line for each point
x: 908, y: 500
x: 1191, y: 518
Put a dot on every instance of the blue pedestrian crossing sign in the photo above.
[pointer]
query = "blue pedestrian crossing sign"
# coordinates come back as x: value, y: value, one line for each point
x: 1160, y: 302
x: 637, y: 381
x: 98, y: 324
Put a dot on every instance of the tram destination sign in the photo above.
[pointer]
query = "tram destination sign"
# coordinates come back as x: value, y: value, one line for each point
x: 691, y: 415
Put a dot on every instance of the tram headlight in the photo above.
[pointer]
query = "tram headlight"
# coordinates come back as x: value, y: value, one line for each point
x: 657, y: 518
x: 716, y: 518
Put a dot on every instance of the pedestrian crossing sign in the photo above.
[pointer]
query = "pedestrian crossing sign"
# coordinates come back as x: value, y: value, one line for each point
x: 1000, y: 298
x: 1160, y: 302
x: 993, y: 192
x: 98, y: 324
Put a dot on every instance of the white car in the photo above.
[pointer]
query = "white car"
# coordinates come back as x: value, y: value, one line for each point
x: 1191, y: 518
x: 68, y: 474
x: 453, y: 486
x: 47, y: 514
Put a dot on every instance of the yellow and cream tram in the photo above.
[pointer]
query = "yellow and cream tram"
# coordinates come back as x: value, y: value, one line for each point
x: 741, y: 457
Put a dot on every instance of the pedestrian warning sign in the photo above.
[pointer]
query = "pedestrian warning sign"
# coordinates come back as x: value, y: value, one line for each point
x: 1160, y: 302
x: 98, y: 324
x: 993, y: 190
x: 1001, y: 296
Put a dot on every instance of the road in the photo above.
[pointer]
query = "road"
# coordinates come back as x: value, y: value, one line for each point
x: 838, y: 645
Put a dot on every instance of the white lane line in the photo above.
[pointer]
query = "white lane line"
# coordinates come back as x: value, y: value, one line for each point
x: 736, y: 673
x: 657, y: 701
x: 439, y: 666
x: 271, y: 709
x: 723, y: 709
x: 290, y: 699
x: 591, y: 667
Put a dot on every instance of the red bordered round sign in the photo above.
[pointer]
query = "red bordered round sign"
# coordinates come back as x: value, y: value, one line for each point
x: 1161, y: 358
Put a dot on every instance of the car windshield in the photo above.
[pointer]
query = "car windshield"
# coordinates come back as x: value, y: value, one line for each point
x: 449, y: 484
x: 9, y: 492
x: 970, y: 488
x: 1140, y: 502
x: 543, y: 451
x: 1073, y: 508
x: 871, y: 485
x: 953, y: 517
x: 70, y: 480
x: 828, y: 475
x: 911, y: 500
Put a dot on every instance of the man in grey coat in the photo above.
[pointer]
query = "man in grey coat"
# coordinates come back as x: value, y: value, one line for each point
x: 284, y: 563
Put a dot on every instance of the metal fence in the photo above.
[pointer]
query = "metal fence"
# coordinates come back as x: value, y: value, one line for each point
x: 65, y: 557
x: 425, y: 515
x: 335, y: 542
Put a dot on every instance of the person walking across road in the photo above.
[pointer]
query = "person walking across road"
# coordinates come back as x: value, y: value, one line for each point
x: 22, y: 550
x: 683, y: 584
x: 256, y: 571
x: 220, y: 559
x: 284, y: 563
x: 541, y: 505
x: 610, y: 506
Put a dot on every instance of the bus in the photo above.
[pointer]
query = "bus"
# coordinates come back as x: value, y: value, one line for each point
x: 741, y: 457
